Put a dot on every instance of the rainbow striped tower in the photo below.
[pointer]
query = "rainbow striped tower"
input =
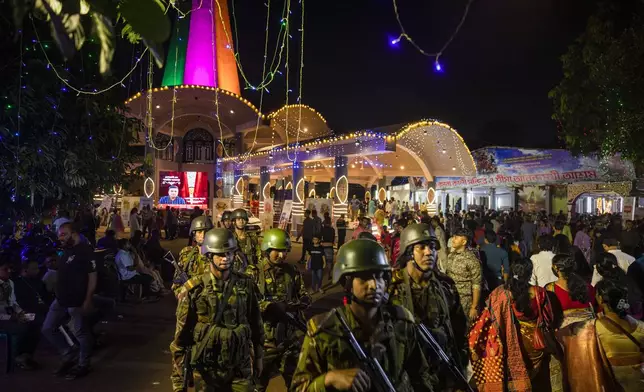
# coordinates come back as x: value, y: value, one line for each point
x: 201, y: 51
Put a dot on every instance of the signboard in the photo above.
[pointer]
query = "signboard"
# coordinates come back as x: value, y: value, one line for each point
x: 183, y: 189
x: 146, y: 201
x: 267, y: 216
x: 516, y: 167
x: 322, y: 206
x: 286, y: 214
x: 532, y: 198
x: 127, y: 203
x: 220, y: 205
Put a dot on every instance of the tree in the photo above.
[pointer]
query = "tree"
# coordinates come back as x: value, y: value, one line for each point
x: 599, y: 104
x: 55, y: 143
x: 143, y: 21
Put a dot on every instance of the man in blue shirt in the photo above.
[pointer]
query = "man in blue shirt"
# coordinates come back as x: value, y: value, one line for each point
x: 496, y: 265
x: 172, y: 197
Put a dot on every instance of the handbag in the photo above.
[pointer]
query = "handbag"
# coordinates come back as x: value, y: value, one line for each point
x: 544, y: 337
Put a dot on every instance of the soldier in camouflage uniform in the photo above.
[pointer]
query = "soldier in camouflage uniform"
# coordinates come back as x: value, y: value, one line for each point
x: 249, y: 252
x: 191, y: 261
x: 225, y: 220
x: 194, y: 264
x: 386, y: 332
x: 221, y: 320
x: 431, y: 296
x: 465, y: 270
x: 281, y: 290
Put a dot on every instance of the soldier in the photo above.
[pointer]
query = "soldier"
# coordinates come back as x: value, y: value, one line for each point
x: 220, y: 318
x: 282, y: 291
x: 465, y: 270
x: 431, y: 296
x: 193, y: 263
x: 249, y: 252
x: 225, y: 220
x: 386, y: 332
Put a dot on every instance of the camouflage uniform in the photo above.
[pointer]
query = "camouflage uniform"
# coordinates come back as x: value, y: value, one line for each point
x: 280, y: 283
x: 465, y: 270
x: 221, y: 355
x: 249, y: 252
x: 193, y: 263
x: 434, y: 303
x: 324, y: 349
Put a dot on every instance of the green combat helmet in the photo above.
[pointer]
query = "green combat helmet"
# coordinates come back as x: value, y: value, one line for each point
x: 412, y: 235
x: 358, y: 256
x: 218, y: 241
x: 239, y: 213
x: 226, y: 216
x: 276, y: 239
x: 200, y: 223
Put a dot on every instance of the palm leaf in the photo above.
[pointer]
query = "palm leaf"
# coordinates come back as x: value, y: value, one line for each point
x: 105, y: 32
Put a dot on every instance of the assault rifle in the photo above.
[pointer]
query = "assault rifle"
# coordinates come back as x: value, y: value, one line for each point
x: 281, y: 315
x: 428, y: 340
x: 183, y: 277
x: 377, y: 375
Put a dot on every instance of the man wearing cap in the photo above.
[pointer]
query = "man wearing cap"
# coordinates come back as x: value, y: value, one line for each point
x: 431, y: 296
x: 282, y: 290
x: 385, y: 332
x: 221, y: 320
x: 465, y: 269
x: 249, y: 252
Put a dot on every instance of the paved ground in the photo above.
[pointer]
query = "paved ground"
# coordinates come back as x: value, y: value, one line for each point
x: 136, y: 357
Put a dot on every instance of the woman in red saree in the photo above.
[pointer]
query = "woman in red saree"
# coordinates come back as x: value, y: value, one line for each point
x: 504, y: 353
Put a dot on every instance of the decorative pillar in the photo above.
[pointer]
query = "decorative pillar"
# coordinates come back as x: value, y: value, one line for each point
x: 464, y: 200
x: 382, y: 184
x: 238, y: 189
x: 341, y: 187
x: 493, y: 198
x: 444, y: 206
x: 228, y: 182
x: 264, y: 186
x: 513, y: 198
x: 298, y: 195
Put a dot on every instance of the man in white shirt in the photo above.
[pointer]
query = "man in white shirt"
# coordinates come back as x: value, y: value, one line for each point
x: 624, y: 260
x: 127, y: 269
x: 542, y: 263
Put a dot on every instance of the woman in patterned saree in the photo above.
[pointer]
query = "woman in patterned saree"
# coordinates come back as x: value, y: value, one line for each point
x: 581, y: 369
x: 504, y: 340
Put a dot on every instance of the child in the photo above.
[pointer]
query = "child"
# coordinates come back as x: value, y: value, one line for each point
x: 316, y: 263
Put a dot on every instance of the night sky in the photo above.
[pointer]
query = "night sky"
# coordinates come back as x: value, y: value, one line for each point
x: 497, y: 72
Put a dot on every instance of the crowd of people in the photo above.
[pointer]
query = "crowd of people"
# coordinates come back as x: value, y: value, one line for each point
x: 481, y: 300
x: 62, y: 291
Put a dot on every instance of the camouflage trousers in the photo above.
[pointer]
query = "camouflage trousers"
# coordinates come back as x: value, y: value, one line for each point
x: 178, y: 354
x: 278, y: 362
x: 208, y: 382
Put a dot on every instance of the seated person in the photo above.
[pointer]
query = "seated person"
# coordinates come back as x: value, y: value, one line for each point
x: 15, y: 321
x: 108, y: 242
x: 126, y: 262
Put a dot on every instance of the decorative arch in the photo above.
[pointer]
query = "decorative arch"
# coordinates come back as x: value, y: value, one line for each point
x: 621, y: 188
x: 198, y: 146
x: 438, y: 149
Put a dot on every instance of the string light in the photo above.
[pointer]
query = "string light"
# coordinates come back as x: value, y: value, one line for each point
x: 435, y: 55
x: 50, y: 65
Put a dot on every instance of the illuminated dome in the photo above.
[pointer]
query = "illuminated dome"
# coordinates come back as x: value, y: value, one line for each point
x: 287, y: 120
